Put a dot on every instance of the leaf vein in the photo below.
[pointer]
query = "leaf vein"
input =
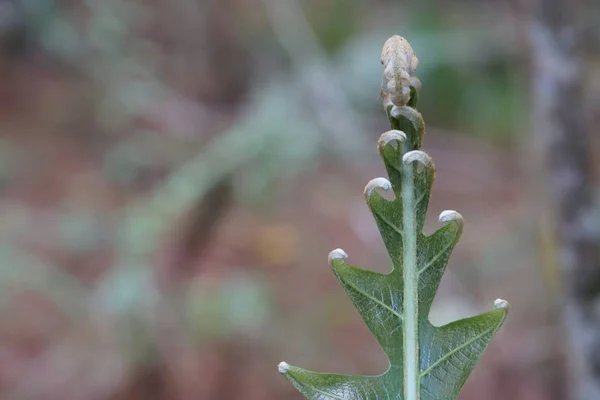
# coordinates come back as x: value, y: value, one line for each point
x: 459, y: 348
x: 435, y: 258
x: 381, y: 303
x: 327, y: 394
x: 388, y: 222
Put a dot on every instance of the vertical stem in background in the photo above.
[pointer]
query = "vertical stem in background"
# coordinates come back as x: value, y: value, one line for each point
x: 411, y: 293
x: 560, y: 133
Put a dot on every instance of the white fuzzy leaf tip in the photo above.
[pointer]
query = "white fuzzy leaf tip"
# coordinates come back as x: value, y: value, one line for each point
x: 389, y: 137
x: 337, y: 254
x: 283, y: 367
x: 501, y: 303
x: 416, y: 155
x: 377, y: 183
x: 452, y: 216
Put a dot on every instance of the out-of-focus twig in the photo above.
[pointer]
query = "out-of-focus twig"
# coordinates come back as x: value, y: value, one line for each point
x: 144, y: 222
x: 329, y: 100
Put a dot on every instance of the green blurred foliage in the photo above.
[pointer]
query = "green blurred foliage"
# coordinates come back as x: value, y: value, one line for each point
x: 335, y: 22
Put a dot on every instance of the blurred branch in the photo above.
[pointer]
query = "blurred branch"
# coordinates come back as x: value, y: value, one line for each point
x: 144, y: 222
x: 327, y: 96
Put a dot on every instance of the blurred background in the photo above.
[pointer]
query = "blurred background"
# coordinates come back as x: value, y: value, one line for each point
x: 173, y: 174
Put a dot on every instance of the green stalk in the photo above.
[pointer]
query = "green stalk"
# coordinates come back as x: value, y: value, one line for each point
x: 411, y: 293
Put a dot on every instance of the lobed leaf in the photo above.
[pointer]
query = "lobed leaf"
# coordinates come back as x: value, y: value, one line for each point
x: 396, y: 305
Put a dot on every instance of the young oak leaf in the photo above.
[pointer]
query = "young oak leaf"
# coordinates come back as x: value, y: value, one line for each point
x: 426, y: 362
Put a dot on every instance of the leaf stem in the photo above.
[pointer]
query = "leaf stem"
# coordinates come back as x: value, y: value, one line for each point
x: 411, y: 294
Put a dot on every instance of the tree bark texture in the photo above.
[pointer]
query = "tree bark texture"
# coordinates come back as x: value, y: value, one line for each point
x: 561, y: 132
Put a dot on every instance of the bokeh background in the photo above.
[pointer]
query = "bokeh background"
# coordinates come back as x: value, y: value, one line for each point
x: 173, y: 174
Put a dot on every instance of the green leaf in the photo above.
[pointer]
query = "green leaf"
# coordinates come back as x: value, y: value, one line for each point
x: 426, y: 362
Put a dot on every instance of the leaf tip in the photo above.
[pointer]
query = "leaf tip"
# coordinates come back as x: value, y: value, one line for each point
x: 283, y: 367
x: 416, y: 155
x: 389, y: 137
x: 452, y: 216
x: 377, y: 183
x: 501, y: 304
x: 337, y: 254
x: 395, y: 111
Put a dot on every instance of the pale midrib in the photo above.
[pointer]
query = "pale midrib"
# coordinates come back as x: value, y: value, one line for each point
x: 455, y: 350
x: 421, y: 198
x: 410, y: 278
